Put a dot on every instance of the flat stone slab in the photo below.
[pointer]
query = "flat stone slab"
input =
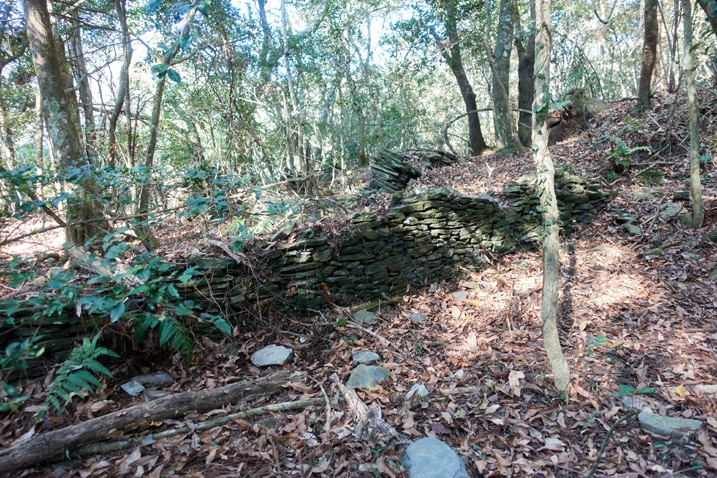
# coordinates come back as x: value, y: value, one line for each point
x: 363, y: 317
x: 271, y: 355
x: 365, y: 356
x: 667, y: 426
x: 416, y: 318
x: 364, y: 376
x: 431, y: 458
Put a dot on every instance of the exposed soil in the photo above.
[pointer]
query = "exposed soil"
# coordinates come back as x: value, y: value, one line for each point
x: 635, y: 310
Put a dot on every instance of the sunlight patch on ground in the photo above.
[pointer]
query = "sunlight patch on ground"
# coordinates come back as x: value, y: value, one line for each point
x: 34, y: 244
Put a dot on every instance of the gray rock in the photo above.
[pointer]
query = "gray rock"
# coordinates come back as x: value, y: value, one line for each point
x: 632, y: 229
x: 365, y: 356
x: 667, y: 426
x: 271, y: 355
x: 431, y: 458
x: 416, y: 318
x: 155, y: 379
x: 364, y: 317
x: 670, y: 209
x: 284, y: 232
x: 418, y: 390
x: 132, y: 388
x: 364, y: 376
x: 644, y: 194
x: 459, y: 295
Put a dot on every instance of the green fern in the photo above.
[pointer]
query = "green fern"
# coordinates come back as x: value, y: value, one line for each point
x: 75, y: 376
x: 170, y: 329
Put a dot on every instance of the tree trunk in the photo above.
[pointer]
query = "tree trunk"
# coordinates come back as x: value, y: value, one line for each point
x: 143, y: 230
x: 7, y: 142
x: 689, y: 69
x: 82, y: 79
x: 548, y: 200
x: 123, y: 96
x: 451, y: 52
x: 649, y: 54
x: 502, y: 111
x: 84, y: 214
x: 525, y: 45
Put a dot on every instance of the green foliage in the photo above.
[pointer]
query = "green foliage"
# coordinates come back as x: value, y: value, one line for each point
x: 621, y: 151
x: 76, y: 376
x: 627, y: 390
x: 15, y: 359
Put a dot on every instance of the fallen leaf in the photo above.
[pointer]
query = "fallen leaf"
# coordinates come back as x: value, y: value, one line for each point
x: 514, y: 381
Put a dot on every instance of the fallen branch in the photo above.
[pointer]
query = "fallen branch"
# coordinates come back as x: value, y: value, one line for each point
x: 40, y: 448
x: 614, y: 426
x: 459, y: 390
x: 107, y: 447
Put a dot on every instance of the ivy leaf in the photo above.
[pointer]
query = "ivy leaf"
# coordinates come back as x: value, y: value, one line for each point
x: 174, y: 76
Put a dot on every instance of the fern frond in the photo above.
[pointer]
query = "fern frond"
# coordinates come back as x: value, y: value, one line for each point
x: 95, y: 366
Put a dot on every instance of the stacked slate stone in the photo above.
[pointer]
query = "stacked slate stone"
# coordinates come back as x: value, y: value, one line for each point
x: 391, y: 172
x: 579, y: 201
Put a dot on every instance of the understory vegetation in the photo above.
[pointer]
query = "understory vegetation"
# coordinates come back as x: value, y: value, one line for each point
x: 148, y: 149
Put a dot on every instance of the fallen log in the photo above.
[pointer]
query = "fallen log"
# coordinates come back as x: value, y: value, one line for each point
x: 40, y: 448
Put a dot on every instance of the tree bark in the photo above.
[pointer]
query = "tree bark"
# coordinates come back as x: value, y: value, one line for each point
x: 502, y: 112
x: 451, y: 52
x: 84, y: 214
x: 548, y: 200
x: 689, y: 66
x: 525, y: 46
x: 144, y: 232
x: 83, y: 83
x: 123, y: 95
x: 649, y: 54
x: 43, y: 447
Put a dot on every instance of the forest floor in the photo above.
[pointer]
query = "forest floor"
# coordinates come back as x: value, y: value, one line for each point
x: 638, y: 320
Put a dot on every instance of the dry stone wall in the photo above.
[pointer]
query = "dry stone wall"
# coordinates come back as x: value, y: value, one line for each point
x: 423, y: 238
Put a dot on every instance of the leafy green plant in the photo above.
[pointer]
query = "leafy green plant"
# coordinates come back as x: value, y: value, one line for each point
x: 76, y: 375
x: 622, y: 154
x: 627, y: 390
x: 18, y: 353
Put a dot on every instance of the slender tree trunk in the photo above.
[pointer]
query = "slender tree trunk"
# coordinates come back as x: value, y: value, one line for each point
x: 548, y: 200
x: 689, y: 69
x: 502, y: 112
x: 525, y: 45
x: 7, y: 142
x: 123, y: 94
x: 39, y: 137
x: 451, y: 52
x: 84, y: 214
x: 82, y: 80
x: 649, y: 54
x: 143, y: 230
